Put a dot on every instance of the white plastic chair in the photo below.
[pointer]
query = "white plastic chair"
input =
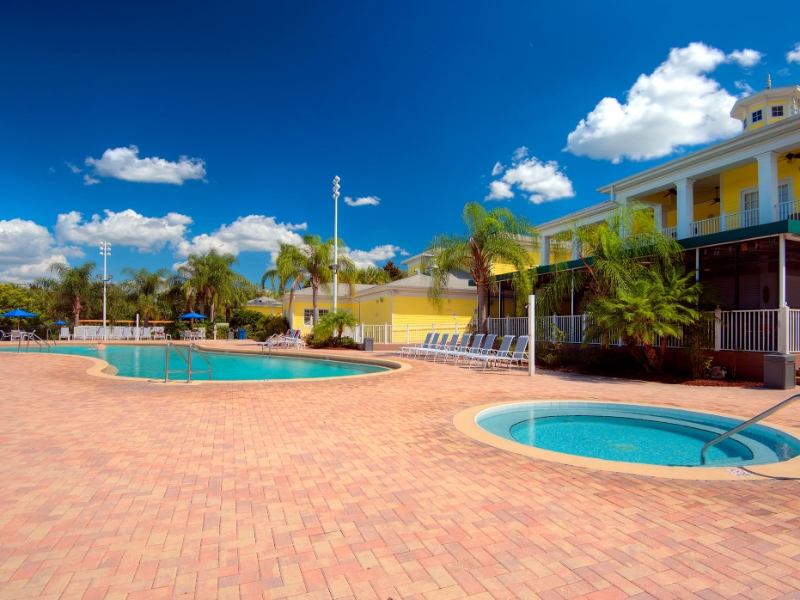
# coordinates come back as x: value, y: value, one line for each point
x: 64, y: 334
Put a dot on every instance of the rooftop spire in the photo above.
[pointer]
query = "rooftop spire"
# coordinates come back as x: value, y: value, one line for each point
x: 769, y: 81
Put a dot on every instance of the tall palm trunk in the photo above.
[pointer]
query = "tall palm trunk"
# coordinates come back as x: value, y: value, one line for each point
x: 483, y: 309
x: 315, y: 308
x: 76, y: 310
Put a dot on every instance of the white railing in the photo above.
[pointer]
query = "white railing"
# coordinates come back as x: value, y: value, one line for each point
x: 515, y: 326
x: 704, y: 227
x: 794, y: 330
x: 403, y: 334
x: 670, y: 232
x: 749, y: 330
x: 746, y: 218
x: 789, y: 210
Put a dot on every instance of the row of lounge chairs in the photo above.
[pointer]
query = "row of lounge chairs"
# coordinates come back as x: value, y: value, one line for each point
x: 481, y: 350
x: 291, y: 339
x: 112, y: 333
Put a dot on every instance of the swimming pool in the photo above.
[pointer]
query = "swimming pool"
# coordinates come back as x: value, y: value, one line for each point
x: 148, y: 362
x: 636, y: 434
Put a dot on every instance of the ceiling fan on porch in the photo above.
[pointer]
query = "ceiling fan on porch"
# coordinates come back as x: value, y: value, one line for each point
x: 671, y: 192
x: 714, y: 200
x: 790, y: 157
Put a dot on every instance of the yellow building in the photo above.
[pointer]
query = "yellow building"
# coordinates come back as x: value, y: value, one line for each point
x: 265, y: 305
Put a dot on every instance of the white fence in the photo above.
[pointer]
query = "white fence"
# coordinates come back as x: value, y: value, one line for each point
x: 789, y: 210
x: 704, y: 227
x: 744, y: 330
x: 794, y: 330
x: 403, y: 334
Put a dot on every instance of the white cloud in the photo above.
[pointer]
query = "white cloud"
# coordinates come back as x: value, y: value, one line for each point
x: 89, y: 180
x: 73, y: 168
x: 675, y: 106
x: 253, y: 233
x: 497, y: 169
x: 543, y: 181
x: 26, y: 251
x: 369, y: 258
x: 519, y: 154
x: 783, y: 72
x: 51, y: 170
x: 745, y: 58
x: 124, y: 163
x: 499, y: 190
x: 127, y: 228
x: 366, y: 201
x: 744, y: 86
x: 793, y: 56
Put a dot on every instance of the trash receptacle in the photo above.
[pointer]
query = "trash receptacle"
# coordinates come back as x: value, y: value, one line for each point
x: 779, y: 371
x: 368, y: 344
x: 230, y: 334
x: 242, y: 333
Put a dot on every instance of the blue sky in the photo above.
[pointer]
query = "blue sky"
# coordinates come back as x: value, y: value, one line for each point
x: 253, y: 107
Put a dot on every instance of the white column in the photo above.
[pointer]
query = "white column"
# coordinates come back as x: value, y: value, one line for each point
x: 544, y: 253
x: 782, y: 270
x: 532, y: 335
x: 685, y: 189
x: 767, y: 187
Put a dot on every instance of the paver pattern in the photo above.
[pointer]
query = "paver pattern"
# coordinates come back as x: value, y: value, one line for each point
x: 358, y: 488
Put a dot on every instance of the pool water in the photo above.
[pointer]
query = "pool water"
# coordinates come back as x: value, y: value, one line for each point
x: 637, y: 434
x: 148, y: 362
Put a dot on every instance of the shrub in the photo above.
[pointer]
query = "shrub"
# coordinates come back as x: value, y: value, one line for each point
x: 243, y: 317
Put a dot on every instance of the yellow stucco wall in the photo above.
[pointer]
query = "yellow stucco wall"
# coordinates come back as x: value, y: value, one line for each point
x: 734, y: 181
x: 421, y: 265
x: 266, y: 310
x: 377, y: 311
x: 299, y: 307
x: 421, y: 311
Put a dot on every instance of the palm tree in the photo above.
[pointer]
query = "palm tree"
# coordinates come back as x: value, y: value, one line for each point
x: 311, y: 262
x: 73, y: 286
x: 335, y: 322
x: 615, y: 253
x: 144, y: 290
x: 491, y: 236
x: 210, y: 281
x: 657, y: 304
x: 372, y: 276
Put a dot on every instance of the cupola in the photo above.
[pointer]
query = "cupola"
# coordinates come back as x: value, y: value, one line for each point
x: 768, y: 106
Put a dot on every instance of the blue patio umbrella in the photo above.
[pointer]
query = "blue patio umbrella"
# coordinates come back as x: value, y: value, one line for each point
x: 192, y: 315
x: 60, y: 323
x: 18, y: 314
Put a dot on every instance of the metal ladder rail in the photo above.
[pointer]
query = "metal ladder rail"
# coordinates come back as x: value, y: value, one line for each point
x: 37, y: 340
x: 745, y: 425
x: 167, y: 371
x: 210, y: 369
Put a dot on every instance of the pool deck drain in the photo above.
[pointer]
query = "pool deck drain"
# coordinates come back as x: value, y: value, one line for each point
x: 360, y: 489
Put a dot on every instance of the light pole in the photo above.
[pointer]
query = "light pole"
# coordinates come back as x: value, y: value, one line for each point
x: 335, y: 240
x: 105, y: 252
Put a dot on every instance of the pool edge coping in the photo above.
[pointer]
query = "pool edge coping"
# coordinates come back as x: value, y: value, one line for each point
x: 464, y: 422
x: 105, y: 370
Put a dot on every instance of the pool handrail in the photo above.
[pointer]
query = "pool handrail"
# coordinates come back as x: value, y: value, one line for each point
x: 188, y: 360
x: 745, y: 425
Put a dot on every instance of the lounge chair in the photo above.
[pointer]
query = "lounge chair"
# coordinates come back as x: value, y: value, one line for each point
x: 64, y: 334
x: 127, y: 333
x: 276, y: 338
x: 18, y: 335
x: 434, y: 343
x: 4, y: 335
x: 158, y: 333
x: 476, y: 350
x: 146, y: 333
x: 519, y: 353
x: 434, y: 352
x: 295, y: 341
x: 440, y: 346
x: 459, y: 354
x: 461, y: 346
x: 405, y: 349
x: 493, y: 355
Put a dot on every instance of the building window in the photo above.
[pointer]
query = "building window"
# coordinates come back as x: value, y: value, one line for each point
x: 750, y: 200
x: 308, y: 315
x: 783, y: 193
x: 757, y: 116
x: 777, y: 111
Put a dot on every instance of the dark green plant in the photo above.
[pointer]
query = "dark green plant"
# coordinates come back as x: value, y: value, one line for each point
x: 698, y: 341
x: 244, y: 317
x: 332, y: 325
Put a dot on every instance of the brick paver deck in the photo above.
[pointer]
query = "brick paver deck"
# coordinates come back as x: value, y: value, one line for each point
x: 358, y: 488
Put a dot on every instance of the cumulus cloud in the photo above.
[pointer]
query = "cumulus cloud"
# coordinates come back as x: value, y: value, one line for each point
x: 499, y: 190
x: 744, y: 86
x: 89, y: 180
x: 543, y: 181
x: 73, y: 168
x: 127, y: 228
x: 253, y: 233
x: 124, y: 163
x: 378, y: 254
x: 27, y: 251
x: 497, y: 169
x: 677, y: 105
x: 783, y: 72
x: 366, y: 201
x: 745, y: 58
x: 793, y: 56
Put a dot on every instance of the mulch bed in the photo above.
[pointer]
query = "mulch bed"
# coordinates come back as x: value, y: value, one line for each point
x: 670, y: 378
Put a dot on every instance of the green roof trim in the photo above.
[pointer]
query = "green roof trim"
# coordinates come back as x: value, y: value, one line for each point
x: 713, y: 239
